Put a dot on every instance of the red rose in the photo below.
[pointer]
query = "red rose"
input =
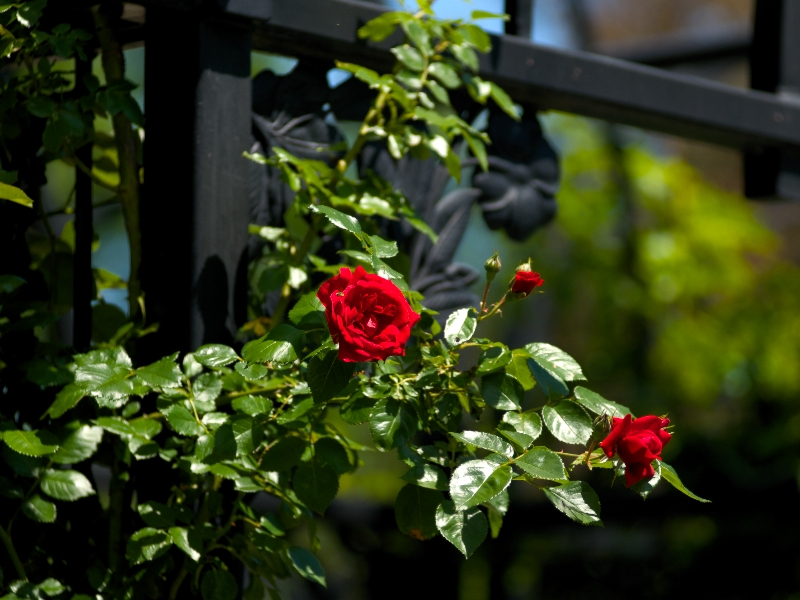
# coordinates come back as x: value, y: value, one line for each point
x: 638, y: 442
x: 525, y: 282
x: 367, y: 315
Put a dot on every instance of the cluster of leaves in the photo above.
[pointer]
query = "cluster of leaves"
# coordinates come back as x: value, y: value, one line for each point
x: 40, y: 92
x: 176, y: 451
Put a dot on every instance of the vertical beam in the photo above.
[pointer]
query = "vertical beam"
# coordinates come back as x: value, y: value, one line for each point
x: 82, y: 259
x: 520, y: 22
x: 195, y: 206
x: 774, y: 67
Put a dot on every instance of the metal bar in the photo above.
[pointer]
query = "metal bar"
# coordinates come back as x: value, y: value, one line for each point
x: 82, y: 259
x: 552, y: 78
x: 549, y: 78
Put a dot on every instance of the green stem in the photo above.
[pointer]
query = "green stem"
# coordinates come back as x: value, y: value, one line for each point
x: 494, y: 309
x: 127, y: 144
x: 176, y: 584
x: 12, y: 552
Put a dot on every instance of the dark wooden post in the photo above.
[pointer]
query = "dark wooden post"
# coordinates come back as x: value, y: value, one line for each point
x: 195, y: 204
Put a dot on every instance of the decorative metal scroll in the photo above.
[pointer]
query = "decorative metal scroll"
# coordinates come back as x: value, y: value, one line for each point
x: 517, y: 194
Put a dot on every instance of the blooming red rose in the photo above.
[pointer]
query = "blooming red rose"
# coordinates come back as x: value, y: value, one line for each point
x: 367, y: 315
x: 525, y: 282
x: 638, y: 442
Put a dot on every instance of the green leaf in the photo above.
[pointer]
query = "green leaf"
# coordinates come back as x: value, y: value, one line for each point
x: 215, y: 355
x: 308, y: 304
x: 207, y: 387
x: 568, y: 422
x: 327, y: 376
x: 391, y: 423
x: 66, y: 485
x: 599, y: 405
x: 77, y: 443
x: 51, y: 587
x: 502, y: 391
x: 110, y: 381
x: 645, y: 486
x: 182, y: 421
x: 357, y: 409
x: 157, y: 515
x: 40, y: 510
x: 556, y: 360
x: 427, y: 476
x: 438, y: 92
x: 297, y: 412
x: 218, y: 585
x: 418, y: 36
x: 316, y: 484
x: 147, y: 544
x: 67, y: 398
x: 542, y: 463
x: 13, y: 193
x: 518, y: 368
x: 527, y: 424
x: 248, y: 437
x: 184, y: 539
x: 422, y: 227
x: 668, y: 473
x: 577, y: 500
x: 477, y: 481
x: 283, y: 454
x: 446, y: 74
x: 503, y: 100
x: 307, y: 565
x: 482, y: 14
x: 460, y: 326
x: 383, y: 248
x: 9, y: 283
x: 252, y: 405
x: 282, y: 344
x: 163, y: 374
x: 493, y: 358
x: 338, y: 218
x: 410, y: 57
x: 252, y: 372
x: 552, y: 385
x: 465, y: 529
x: 487, y: 441
x: 115, y: 425
x: 415, y: 511
x: 379, y: 28
x: 31, y: 443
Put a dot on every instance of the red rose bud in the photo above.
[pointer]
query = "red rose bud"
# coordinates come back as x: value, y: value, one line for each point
x: 525, y: 281
x: 367, y: 315
x: 638, y: 442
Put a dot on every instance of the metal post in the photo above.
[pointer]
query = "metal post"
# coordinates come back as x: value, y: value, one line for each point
x: 775, y: 67
x: 520, y: 22
x: 195, y: 206
x: 82, y: 259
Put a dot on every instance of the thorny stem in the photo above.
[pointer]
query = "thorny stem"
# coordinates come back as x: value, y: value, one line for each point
x: 12, y: 552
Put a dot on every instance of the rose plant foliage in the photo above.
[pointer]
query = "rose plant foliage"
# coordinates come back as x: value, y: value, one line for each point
x: 171, y: 454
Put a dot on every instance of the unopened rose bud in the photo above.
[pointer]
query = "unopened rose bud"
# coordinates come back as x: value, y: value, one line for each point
x: 492, y: 266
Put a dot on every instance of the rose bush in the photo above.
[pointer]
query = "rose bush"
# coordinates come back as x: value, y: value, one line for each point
x: 192, y: 470
x: 367, y: 315
x: 637, y: 442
